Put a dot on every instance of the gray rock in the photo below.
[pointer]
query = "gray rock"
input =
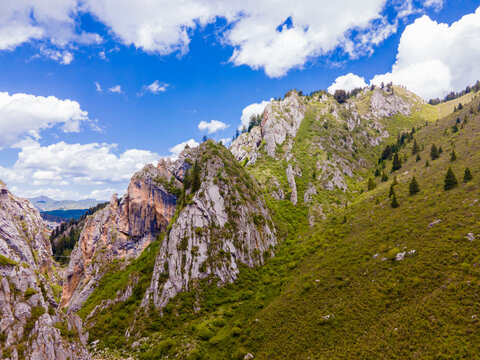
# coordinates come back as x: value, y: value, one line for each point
x: 291, y: 182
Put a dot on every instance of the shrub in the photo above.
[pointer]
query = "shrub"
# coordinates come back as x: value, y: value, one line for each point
x: 6, y: 261
x: 29, y: 293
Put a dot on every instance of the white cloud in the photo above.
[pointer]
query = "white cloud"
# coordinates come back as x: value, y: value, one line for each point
x: 117, y: 89
x: 98, y: 87
x: 347, y: 82
x: 64, y: 57
x: 67, y: 164
x: 435, y: 58
x: 155, y: 88
x: 212, y: 127
x: 177, y: 149
x: 436, y: 4
x: 24, y: 114
x: 52, y: 23
x: 258, y: 33
x: 252, y: 109
x: 225, y: 141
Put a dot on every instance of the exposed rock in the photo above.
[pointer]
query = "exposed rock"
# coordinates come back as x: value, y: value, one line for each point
x: 246, y: 145
x: 26, y: 295
x: 307, y: 197
x: 280, y: 119
x: 225, y: 223
x: 386, y: 105
x: 123, y: 228
x: 315, y: 212
x: 291, y: 182
x: 276, y: 188
x: 434, y: 223
x: 470, y: 237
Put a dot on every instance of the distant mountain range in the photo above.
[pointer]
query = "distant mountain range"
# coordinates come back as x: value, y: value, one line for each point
x: 44, y: 203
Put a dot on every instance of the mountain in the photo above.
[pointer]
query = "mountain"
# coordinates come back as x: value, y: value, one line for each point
x: 332, y: 228
x: 31, y: 324
x: 44, y: 203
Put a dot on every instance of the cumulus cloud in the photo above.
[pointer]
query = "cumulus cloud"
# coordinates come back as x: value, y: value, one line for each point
x: 347, y: 82
x: 252, y: 109
x: 64, y: 165
x: 155, y: 88
x: 177, y: 149
x: 273, y: 38
x: 435, y: 58
x: 50, y: 22
x: 212, y: 127
x: 117, y: 89
x: 24, y: 114
x: 436, y: 4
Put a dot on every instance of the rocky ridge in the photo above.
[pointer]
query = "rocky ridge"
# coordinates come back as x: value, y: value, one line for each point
x: 222, y: 224
x: 124, y: 228
x: 31, y: 325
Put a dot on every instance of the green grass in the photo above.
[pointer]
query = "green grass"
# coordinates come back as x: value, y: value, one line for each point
x: 6, y: 261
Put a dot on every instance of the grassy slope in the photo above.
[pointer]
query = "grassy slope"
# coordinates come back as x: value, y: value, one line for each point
x: 425, y: 306
x: 324, y: 295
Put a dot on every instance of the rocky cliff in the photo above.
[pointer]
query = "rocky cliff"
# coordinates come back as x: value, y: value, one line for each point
x: 316, y: 134
x: 123, y: 228
x: 222, y: 223
x: 31, y: 325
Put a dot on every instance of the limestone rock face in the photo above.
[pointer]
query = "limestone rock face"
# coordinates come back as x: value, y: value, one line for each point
x: 225, y: 223
x: 280, y: 119
x: 291, y: 182
x: 123, y: 228
x: 246, y: 145
x: 385, y: 104
x: 29, y: 311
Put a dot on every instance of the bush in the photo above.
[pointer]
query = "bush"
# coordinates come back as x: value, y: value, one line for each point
x: 204, y: 332
x: 29, y: 293
x: 6, y: 261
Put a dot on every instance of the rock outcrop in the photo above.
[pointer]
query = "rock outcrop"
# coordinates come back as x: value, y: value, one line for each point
x: 221, y: 224
x: 124, y: 227
x: 280, y: 120
x: 30, y: 319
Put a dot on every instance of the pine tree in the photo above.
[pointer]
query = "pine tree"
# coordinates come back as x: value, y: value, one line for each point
x: 453, y: 156
x: 384, y: 177
x: 467, y: 176
x: 371, y: 184
x: 418, y: 158
x: 397, y: 164
x: 450, y: 180
x: 196, y: 182
x: 415, y: 148
x: 392, y: 190
x: 395, y: 182
x: 377, y: 172
x: 427, y: 164
x: 413, y: 188
x: 440, y: 150
x: 434, y: 152
x: 395, y: 203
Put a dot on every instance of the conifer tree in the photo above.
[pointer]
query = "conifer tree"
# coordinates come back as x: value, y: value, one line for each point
x: 377, y: 172
x: 434, y: 152
x: 415, y: 148
x: 395, y: 182
x: 384, y: 177
x: 371, y: 184
x: 395, y: 203
x: 418, y: 158
x: 427, y: 164
x: 397, y: 164
x: 413, y: 188
x: 196, y: 182
x: 392, y: 191
x: 453, y: 156
x: 450, y: 180
x: 467, y: 176
x: 440, y: 150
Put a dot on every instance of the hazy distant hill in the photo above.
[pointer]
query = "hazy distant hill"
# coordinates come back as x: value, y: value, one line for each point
x: 44, y: 203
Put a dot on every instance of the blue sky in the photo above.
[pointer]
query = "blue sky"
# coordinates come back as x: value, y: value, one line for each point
x: 204, y: 61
